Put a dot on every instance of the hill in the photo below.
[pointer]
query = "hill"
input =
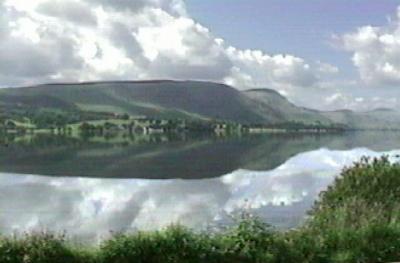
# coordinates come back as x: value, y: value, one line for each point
x: 267, y: 101
x: 194, y: 100
x: 379, y: 119
x: 158, y: 99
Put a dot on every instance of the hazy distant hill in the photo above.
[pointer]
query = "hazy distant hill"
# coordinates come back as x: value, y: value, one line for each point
x: 188, y: 99
x: 377, y: 119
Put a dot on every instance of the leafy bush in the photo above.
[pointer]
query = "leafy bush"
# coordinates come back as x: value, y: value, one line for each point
x: 358, y: 218
x: 175, y: 244
x: 40, y: 248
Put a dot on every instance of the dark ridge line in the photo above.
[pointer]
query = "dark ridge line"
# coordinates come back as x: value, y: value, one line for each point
x: 156, y: 81
x: 365, y: 111
x: 261, y: 89
x: 109, y: 82
x: 343, y: 111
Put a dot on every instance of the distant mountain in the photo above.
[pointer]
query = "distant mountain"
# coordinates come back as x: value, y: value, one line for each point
x: 189, y: 100
x: 268, y: 100
x: 383, y: 119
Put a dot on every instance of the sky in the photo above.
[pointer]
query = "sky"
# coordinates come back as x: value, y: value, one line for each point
x: 302, y: 28
x: 320, y: 54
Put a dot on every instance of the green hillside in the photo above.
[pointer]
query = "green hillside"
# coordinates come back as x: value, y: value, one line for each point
x: 161, y: 99
x: 267, y: 101
x: 190, y: 100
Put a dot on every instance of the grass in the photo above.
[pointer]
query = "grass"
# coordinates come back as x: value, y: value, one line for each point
x: 101, y: 108
x: 355, y: 220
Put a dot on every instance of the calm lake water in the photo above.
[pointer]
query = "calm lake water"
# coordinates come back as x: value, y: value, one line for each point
x: 91, y: 186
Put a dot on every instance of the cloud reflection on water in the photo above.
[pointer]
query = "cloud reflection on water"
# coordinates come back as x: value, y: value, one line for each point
x: 90, y: 208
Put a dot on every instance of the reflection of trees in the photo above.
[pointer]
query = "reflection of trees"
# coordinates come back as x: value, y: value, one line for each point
x: 6, y: 139
x: 183, y: 155
x: 272, y: 150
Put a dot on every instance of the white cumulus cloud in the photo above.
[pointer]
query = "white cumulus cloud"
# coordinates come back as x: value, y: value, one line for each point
x: 78, y: 40
x: 376, y: 52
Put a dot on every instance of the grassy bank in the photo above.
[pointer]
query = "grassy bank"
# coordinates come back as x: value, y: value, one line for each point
x: 356, y: 220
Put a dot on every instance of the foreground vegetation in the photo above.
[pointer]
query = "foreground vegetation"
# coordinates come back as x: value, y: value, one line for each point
x: 356, y: 220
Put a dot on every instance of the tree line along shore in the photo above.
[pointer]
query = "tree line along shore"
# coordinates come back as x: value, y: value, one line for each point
x: 100, y: 123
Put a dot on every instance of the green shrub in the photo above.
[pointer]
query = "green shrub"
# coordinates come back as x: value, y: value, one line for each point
x: 357, y: 218
x: 175, y: 244
x: 250, y: 241
x: 39, y: 248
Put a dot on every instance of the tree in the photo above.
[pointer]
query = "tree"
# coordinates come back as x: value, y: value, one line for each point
x: 10, y: 125
x: 125, y: 116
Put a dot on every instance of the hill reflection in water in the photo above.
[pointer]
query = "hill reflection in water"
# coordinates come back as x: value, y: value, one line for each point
x: 171, y: 156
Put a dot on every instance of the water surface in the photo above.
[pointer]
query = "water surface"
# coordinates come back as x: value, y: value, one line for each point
x: 92, y: 186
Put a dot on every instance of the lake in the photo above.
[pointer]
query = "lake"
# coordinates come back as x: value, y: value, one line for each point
x: 91, y: 186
